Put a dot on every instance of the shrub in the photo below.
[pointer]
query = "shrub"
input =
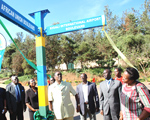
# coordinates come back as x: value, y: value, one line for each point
x: 90, y: 80
x: 5, y: 74
x: 27, y: 68
x: 1, y: 75
x: 141, y: 80
x: 96, y: 71
x: 7, y: 82
x: 71, y: 71
x: 76, y: 81
x: 25, y: 77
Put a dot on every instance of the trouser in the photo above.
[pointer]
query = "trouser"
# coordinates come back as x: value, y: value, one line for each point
x: 18, y: 114
x: 2, y: 117
x: 70, y: 118
x: 111, y: 116
x: 87, y: 110
x: 31, y: 113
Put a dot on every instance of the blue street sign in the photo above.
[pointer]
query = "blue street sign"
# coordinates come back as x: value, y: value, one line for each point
x: 76, y: 25
x: 12, y: 15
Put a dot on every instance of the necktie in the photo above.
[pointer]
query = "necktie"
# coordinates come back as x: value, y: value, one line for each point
x: 108, y: 83
x: 17, y: 93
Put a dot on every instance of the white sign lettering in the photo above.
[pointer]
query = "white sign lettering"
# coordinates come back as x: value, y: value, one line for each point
x: 72, y: 25
x: 93, y: 19
x: 7, y: 10
x: 17, y: 17
x: 75, y: 27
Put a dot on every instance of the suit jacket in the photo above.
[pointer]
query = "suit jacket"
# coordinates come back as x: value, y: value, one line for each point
x: 2, y: 98
x: 93, y: 99
x: 60, y: 95
x: 11, y: 97
x: 110, y: 97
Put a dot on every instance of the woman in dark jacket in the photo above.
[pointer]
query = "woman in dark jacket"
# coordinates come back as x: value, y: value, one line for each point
x: 31, y: 98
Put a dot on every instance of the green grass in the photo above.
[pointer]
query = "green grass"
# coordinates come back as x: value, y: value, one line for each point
x: 7, y: 82
x: 141, y: 80
x: 1, y: 76
x: 26, y: 77
x: 93, y: 71
x: 21, y: 78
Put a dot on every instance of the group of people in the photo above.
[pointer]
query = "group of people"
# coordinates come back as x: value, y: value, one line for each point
x: 15, y: 99
x: 120, y: 98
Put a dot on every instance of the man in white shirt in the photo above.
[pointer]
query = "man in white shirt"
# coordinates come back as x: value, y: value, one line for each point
x: 88, y: 97
x: 59, y: 98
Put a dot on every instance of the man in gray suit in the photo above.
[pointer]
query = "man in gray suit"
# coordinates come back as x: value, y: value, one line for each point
x: 110, y: 97
x: 15, y: 97
x: 88, y: 97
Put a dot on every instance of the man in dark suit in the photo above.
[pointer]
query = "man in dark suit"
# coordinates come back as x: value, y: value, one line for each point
x: 15, y: 97
x: 3, y: 108
x: 110, y: 90
x: 88, y: 97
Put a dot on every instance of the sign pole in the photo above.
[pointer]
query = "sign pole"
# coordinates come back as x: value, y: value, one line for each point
x: 15, y: 17
x: 41, y: 63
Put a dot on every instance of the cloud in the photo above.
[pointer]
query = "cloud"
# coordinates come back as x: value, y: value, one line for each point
x: 91, y: 8
x: 124, y: 2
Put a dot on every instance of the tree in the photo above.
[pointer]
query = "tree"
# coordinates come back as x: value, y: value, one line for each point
x: 77, y: 36
x: 145, y: 18
x: 52, y: 47
x: 131, y: 24
x: 112, y: 22
x: 67, y: 53
x: 83, y: 53
x: 27, y: 69
x: 93, y: 38
x: 13, y: 59
x: 17, y: 61
x: 28, y: 48
x: 8, y: 55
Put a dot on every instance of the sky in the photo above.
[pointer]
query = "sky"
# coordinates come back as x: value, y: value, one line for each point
x: 63, y: 11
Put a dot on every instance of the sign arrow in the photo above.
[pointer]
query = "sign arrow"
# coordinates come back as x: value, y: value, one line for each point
x: 12, y: 15
x: 76, y: 25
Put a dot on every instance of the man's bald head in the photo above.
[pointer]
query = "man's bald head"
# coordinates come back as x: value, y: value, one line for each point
x: 84, y: 77
x: 58, y: 76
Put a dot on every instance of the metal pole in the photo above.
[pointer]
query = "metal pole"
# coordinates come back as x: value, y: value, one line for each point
x: 41, y: 63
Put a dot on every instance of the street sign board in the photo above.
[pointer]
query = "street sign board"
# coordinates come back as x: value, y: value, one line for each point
x: 76, y: 25
x: 12, y: 15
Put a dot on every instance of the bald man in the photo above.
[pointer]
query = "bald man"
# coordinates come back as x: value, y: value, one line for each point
x: 15, y: 97
x: 59, y: 98
x: 110, y: 91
